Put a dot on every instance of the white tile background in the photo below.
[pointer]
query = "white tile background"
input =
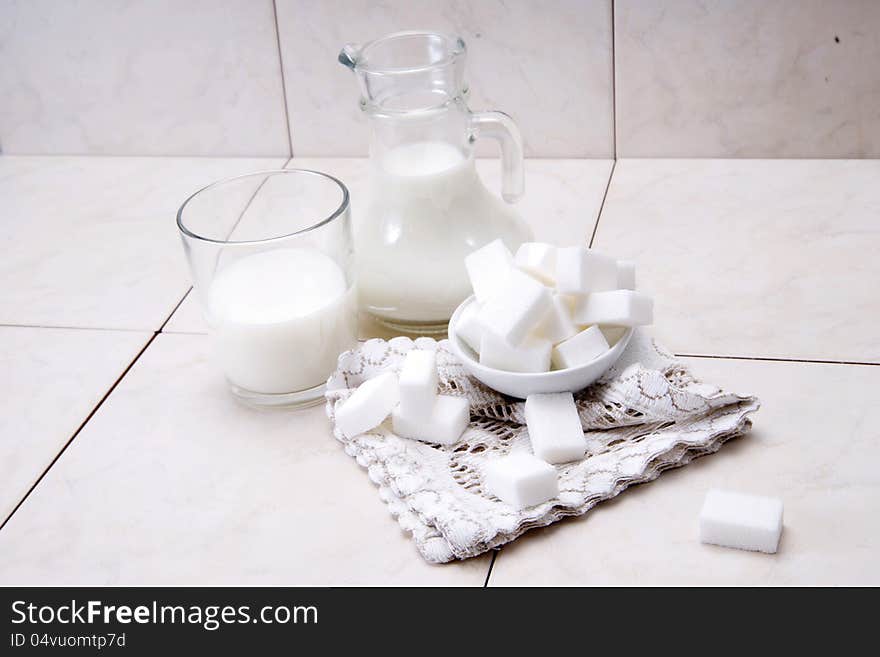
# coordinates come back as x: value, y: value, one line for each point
x: 706, y: 78
x: 748, y: 78
x: 548, y: 64
x: 144, y: 77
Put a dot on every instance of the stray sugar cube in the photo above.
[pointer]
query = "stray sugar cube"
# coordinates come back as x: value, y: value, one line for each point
x: 488, y: 268
x: 618, y: 307
x: 587, y: 345
x: 737, y: 520
x: 554, y: 427
x: 469, y: 327
x: 580, y: 271
x: 531, y: 355
x: 517, y: 308
x: 626, y: 275
x: 557, y: 324
x: 369, y: 405
x: 521, y: 480
x: 539, y: 260
x: 444, y: 425
x: 418, y: 382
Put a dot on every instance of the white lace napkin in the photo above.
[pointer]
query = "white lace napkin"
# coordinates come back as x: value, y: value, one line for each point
x: 647, y: 414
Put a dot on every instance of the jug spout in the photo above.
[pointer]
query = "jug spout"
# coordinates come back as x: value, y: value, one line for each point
x: 400, y: 71
x: 348, y: 56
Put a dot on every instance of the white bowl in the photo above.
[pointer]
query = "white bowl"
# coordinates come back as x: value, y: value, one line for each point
x: 520, y: 384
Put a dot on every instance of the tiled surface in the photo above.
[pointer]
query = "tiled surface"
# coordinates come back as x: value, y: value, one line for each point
x: 51, y: 379
x: 561, y: 205
x: 145, y: 77
x: 547, y: 64
x: 812, y: 445
x: 767, y: 258
x: 208, y: 492
x: 751, y: 78
x: 92, y: 242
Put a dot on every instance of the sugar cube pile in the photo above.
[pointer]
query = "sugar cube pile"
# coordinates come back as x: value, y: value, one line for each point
x: 542, y: 309
x: 411, y: 398
x: 737, y: 520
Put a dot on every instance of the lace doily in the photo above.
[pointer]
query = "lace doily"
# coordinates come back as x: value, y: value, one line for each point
x: 647, y: 414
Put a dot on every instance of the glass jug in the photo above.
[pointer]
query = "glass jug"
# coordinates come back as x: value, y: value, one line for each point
x: 428, y: 207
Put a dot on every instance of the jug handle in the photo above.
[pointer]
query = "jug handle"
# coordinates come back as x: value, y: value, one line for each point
x: 499, y: 126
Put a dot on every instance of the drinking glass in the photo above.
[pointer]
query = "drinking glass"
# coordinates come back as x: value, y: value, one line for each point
x: 271, y: 258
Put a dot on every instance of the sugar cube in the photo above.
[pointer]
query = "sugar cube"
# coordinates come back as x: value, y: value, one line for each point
x: 580, y: 271
x: 531, y: 355
x: 521, y: 480
x: 737, y: 520
x: 418, y: 382
x: 587, y: 345
x: 517, y: 307
x: 618, y: 307
x: 369, y: 405
x: 613, y: 333
x: 444, y: 424
x: 626, y: 275
x: 488, y: 268
x: 554, y: 427
x: 557, y: 324
x: 469, y: 328
x: 539, y: 260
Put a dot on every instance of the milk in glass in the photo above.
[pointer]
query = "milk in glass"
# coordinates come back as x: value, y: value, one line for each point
x: 280, y: 319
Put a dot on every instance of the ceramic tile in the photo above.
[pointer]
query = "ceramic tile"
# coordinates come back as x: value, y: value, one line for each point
x: 208, y: 492
x: 770, y: 258
x: 547, y: 64
x: 561, y: 204
x: 141, y: 78
x: 812, y: 446
x: 92, y: 242
x: 187, y: 318
x: 789, y: 78
x: 50, y: 380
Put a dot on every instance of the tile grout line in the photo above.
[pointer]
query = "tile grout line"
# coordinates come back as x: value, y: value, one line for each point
x: 96, y: 408
x: 161, y: 329
x: 118, y: 380
x: 174, y: 310
x: 75, y: 328
x: 602, y: 205
x: 491, y: 565
x: 79, y: 429
x: 773, y: 359
x: 251, y: 200
x: 613, y: 84
x: 283, y: 82
x: 237, y: 221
